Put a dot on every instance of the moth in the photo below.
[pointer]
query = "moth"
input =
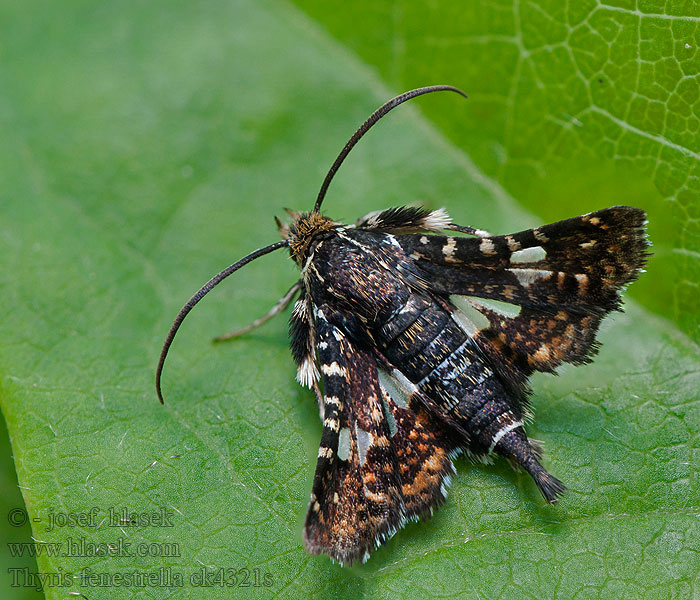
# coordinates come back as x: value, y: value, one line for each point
x: 418, y: 336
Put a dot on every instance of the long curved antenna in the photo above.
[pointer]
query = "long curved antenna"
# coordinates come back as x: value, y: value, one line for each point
x: 206, y: 288
x: 373, y: 118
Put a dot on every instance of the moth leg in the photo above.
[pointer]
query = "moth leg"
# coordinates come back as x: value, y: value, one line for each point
x: 282, y: 304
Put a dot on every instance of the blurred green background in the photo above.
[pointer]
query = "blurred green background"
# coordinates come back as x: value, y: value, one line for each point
x: 148, y: 144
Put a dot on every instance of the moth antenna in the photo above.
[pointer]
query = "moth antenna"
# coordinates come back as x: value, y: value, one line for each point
x: 373, y: 118
x: 204, y: 290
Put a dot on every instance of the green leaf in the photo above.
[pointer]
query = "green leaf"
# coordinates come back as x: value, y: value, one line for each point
x: 147, y: 146
x: 15, y: 526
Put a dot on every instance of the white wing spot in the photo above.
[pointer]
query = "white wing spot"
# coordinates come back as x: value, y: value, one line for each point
x: 364, y: 441
x: 449, y: 249
x: 344, y: 444
x: 334, y: 369
x: 393, y: 240
x: 331, y: 424
x: 332, y: 400
x: 513, y: 245
x: 487, y: 247
x: 390, y: 386
x: 539, y: 236
x: 527, y: 277
x: 534, y: 254
x: 324, y: 452
x: 468, y: 317
x: 504, y: 309
x: 409, y: 306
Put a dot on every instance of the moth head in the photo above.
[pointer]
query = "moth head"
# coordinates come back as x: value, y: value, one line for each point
x: 304, y: 230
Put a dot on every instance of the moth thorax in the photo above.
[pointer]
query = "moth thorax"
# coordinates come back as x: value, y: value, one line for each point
x: 304, y: 231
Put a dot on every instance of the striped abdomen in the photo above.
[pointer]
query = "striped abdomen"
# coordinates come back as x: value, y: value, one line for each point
x: 436, y: 355
x: 440, y: 361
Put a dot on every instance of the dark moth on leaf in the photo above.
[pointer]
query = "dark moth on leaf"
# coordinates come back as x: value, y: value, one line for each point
x: 418, y: 346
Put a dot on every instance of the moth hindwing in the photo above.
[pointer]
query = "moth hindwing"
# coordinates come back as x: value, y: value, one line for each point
x: 418, y: 346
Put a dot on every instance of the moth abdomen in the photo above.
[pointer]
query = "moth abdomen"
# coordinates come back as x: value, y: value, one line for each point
x: 444, y: 365
x: 415, y: 341
x: 436, y: 355
x: 517, y: 447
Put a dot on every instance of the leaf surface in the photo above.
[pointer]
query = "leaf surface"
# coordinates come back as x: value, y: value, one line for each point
x: 147, y: 146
